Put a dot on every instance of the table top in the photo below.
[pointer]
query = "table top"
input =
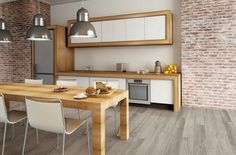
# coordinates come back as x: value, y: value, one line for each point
x: 102, y: 101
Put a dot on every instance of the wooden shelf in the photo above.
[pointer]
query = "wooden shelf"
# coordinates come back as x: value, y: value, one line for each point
x: 114, y: 74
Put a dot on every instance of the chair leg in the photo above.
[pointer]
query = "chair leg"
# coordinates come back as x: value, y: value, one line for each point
x: 63, y: 144
x: 26, y: 130
x: 4, y: 138
x: 88, y: 137
x: 117, y: 130
x: 13, y: 131
x: 78, y: 113
x: 115, y: 119
x: 37, y: 136
x: 58, y: 138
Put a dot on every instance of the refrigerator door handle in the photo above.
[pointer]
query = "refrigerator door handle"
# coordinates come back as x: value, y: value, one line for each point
x: 35, y: 68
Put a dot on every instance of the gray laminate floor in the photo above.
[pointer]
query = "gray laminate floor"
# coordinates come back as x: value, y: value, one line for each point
x: 153, y: 131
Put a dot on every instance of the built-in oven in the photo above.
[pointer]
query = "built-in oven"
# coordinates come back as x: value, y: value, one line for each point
x: 139, y: 91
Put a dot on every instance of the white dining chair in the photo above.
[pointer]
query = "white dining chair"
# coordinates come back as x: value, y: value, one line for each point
x: 68, y: 83
x: 40, y: 110
x: 20, y: 105
x: 34, y: 81
x: 115, y: 107
x: 9, y: 117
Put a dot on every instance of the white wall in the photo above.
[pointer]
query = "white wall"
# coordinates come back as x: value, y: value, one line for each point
x: 137, y: 57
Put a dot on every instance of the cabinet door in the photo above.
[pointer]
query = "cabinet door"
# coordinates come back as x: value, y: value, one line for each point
x: 93, y: 81
x: 107, y: 31
x: 134, y: 29
x: 155, y: 27
x: 98, y: 29
x: 117, y: 83
x: 82, y: 81
x: 118, y: 30
x: 113, y: 83
x: 162, y: 91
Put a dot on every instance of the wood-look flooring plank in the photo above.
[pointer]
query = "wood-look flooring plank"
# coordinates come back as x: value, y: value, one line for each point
x: 153, y: 131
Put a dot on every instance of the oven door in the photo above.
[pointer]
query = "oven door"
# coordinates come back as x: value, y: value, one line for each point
x: 139, y: 93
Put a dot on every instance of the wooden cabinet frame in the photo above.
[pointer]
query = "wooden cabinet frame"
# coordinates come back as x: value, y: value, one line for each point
x: 167, y: 41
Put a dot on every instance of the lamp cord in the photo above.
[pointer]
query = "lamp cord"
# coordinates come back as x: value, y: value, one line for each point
x: 82, y: 3
x: 38, y: 7
x: 1, y: 10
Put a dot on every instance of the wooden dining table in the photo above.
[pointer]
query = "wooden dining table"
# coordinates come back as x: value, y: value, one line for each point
x: 96, y: 104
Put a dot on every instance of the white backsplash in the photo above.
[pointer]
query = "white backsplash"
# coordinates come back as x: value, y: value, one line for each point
x: 137, y: 57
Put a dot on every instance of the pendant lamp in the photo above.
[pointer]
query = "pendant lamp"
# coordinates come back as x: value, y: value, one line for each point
x: 38, y: 31
x: 5, y: 35
x: 82, y: 28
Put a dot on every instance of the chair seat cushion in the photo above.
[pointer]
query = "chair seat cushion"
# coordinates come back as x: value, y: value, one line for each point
x: 15, y: 116
x: 73, y: 124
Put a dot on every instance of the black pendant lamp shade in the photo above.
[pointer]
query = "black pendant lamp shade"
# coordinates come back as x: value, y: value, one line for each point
x: 82, y: 28
x: 38, y: 31
x: 5, y: 35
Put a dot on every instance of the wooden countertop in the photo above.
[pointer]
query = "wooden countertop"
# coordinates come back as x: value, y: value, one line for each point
x: 114, y: 74
x: 176, y: 78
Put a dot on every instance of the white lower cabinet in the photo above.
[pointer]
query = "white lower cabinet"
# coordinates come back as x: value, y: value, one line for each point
x: 117, y: 83
x: 162, y: 91
x: 82, y: 81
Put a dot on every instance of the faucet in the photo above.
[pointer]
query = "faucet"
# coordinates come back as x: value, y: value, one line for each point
x: 89, y: 67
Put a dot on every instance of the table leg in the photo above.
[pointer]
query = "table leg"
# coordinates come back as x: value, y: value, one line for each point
x: 124, y: 119
x: 98, y: 118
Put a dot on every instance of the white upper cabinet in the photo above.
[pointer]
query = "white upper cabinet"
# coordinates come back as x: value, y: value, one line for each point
x: 148, y: 28
x: 134, y: 29
x: 118, y: 30
x: 107, y: 30
x: 155, y: 27
x: 98, y: 29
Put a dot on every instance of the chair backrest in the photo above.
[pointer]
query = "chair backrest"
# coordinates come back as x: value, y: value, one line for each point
x: 34, y: 81
x: 45, y: 114
x: 67, y: 83
x: 3, y: 110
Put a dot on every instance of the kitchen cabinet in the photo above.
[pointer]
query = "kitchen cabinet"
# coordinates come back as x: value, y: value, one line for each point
x: 82, y: 81
x: 117, y: 83
x: 118, y: 32
x: 162, y: 91
x: 155, y: 27
x: 148, y: 28
x: 96, y: 79
x: 107, y: 30
x: 134, y: 29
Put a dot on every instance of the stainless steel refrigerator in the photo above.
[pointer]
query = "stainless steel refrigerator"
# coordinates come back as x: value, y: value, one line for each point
x: 44, y: 60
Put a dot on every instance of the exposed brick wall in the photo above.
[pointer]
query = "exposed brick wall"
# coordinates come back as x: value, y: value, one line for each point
x: 15, y: 58
x: 209, y: 53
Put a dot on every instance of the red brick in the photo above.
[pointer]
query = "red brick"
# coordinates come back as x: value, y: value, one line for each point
x: 15, y: 58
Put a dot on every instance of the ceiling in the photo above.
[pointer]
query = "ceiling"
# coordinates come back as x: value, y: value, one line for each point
x: 51, y: 2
